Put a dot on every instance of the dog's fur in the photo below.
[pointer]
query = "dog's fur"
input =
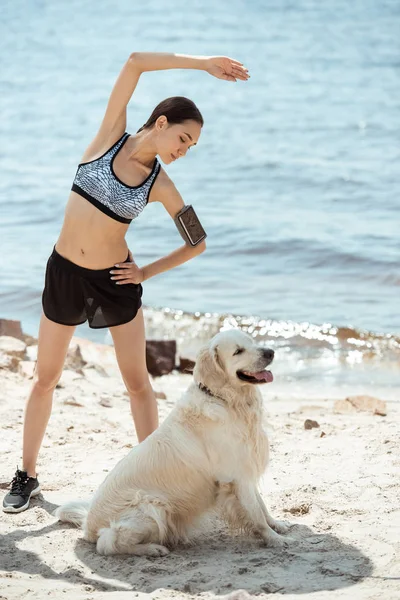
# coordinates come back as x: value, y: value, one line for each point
x: 208, y: 453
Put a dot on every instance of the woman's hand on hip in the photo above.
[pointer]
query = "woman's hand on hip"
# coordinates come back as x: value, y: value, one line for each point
x: 226, y: 68
x: 127, y: 272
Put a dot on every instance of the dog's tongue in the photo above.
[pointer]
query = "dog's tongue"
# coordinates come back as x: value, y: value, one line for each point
x: 261, y: 375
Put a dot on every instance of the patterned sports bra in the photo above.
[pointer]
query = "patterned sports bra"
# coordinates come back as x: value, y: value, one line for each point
x: 97, y: 182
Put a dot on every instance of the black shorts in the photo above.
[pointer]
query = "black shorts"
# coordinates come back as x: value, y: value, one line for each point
x: 74, y: 294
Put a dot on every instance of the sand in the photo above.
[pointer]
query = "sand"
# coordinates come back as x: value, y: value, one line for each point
x: 337, y: 483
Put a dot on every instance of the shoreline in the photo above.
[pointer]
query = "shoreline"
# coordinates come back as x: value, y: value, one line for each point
x: 308, y: 354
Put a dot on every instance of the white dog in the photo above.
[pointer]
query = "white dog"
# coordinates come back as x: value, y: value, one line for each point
x: 208, y: 453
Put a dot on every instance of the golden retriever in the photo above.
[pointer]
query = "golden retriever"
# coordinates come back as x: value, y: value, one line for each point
x: 209, y: 453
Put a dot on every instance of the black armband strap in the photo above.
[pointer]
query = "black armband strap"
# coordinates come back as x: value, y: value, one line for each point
x: 189, y: 226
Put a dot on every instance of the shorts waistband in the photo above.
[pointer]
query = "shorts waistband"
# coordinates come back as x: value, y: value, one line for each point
x: 82, y: 271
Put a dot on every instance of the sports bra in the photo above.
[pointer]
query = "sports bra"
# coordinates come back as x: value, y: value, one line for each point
x: 96, y: 181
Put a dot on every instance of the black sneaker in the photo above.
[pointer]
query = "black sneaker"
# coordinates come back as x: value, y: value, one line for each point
x: 22, y: 488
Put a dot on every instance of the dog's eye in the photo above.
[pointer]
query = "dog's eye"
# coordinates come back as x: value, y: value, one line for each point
x: 238, y: 351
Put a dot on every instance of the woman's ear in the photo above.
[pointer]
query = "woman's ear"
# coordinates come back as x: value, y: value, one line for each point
x: 161, y: 122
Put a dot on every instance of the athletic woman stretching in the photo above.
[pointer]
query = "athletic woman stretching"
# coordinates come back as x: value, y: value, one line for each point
x: 91, y: 274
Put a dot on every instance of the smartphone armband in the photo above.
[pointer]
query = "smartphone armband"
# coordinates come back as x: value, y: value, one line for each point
x: 189, y: 226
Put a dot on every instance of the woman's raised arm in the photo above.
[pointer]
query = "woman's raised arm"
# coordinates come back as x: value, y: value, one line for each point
x: 221, y: 67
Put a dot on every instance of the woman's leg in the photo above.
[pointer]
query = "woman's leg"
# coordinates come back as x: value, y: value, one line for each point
x: 53, y: 345
x: 130, y: 349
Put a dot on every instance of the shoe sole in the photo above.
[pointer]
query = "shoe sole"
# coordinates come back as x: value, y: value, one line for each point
x: 11, y: 509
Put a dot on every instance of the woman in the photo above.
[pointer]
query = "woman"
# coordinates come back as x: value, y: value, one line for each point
x: 91, y: 273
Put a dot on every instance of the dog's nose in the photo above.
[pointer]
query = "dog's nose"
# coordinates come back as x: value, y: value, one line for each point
x: 268, y: 353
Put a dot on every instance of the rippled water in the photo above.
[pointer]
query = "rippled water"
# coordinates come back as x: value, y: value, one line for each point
x: 295, y: 177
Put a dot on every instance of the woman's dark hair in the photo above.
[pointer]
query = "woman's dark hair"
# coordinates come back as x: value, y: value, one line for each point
x: 177, y: 109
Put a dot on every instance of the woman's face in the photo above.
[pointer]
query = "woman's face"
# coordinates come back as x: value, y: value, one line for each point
x: 174, y: 140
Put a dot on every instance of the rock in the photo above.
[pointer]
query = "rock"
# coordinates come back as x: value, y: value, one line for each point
x: 12, y: 346
x: 160, y: 356
x: 310, y: 424
x: 71, y: 401
x: 10, y: 363
x: 74, y: 360
x: 186, y: 365
x: 101, y: 355
x: 323, y: 434
x: 68, y: 377
x: 26, y: 368
x: 29, y: 339
x: 105, y: 401
x: 98, y: 368
x: 11, y: 328
x: 354, y: 404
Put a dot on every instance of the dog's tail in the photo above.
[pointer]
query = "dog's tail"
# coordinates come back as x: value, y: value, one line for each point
x: 73, y: 512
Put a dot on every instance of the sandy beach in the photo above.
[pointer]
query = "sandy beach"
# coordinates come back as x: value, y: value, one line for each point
x: 337, y: 483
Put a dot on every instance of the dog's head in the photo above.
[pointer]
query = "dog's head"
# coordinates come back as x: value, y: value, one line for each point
x: 233, y: 357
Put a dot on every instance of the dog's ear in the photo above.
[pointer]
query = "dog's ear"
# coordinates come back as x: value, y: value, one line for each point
x: 208, y: 365
x: 217, y: 358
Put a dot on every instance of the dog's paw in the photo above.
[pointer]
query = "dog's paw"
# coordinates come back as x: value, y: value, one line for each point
x: 155, y: 550
x: 277, y: 541
x: 280, y: 526
x: 106, y: 541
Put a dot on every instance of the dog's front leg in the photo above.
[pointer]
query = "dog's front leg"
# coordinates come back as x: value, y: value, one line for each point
x: 249, y: 500
x: 278, y: 526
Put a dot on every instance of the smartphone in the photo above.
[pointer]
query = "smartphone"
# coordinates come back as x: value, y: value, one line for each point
x: 189, y: 225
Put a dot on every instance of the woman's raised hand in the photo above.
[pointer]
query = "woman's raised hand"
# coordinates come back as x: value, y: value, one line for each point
x: 226, y: 68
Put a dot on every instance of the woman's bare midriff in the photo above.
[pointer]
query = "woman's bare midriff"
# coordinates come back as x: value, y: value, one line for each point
x: 90, y: 238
